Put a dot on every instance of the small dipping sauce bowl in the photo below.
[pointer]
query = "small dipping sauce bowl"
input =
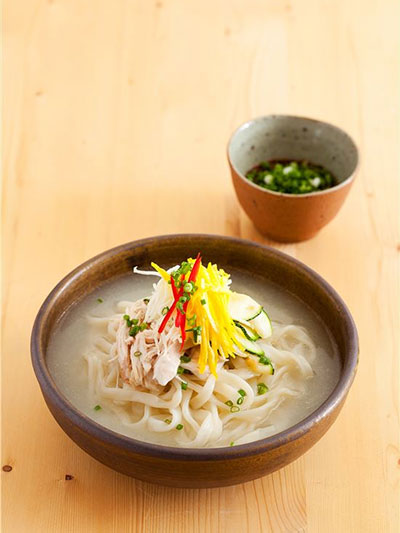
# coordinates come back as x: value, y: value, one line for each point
x: 291, y: 217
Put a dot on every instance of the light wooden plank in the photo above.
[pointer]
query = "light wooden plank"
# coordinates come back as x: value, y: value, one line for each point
x: 117, y: 111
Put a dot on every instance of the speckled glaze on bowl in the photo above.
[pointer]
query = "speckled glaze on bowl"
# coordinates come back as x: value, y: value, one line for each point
x: 185, y: 467
x: 288, y: 217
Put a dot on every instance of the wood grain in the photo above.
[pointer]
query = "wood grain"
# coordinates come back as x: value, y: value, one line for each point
x: 116, y: 119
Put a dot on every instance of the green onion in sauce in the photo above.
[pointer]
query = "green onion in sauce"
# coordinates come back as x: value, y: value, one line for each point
x: 291, y: 177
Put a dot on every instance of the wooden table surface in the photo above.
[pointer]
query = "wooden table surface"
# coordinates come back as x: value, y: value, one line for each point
x: 117, y: 114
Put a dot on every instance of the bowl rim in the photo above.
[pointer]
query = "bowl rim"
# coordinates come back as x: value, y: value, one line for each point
x: 131, y: 445
x: 312, y: 121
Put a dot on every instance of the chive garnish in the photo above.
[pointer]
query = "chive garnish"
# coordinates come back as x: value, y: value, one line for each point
x: 167, y: 420
x: 196, y: 332
x: 191, y: 321
x: 240, y: 400
x: 203, y: 301
x: 231, y: 443
x: 138, y: 353
x: 97, y: 407
x: 165, y: 310
x: 188, y: 287
x: 234, y: 409
x: 266, y: 361
x: 134, y: 331
x: 184, y: 385
x: 185, y: 359
x: 242, y: 392
x: 261, y: 388
x: 180, y: 370
x: 229, y: 403
x: 100, y: 300
x: 179, y: 427
x: 146, y: 300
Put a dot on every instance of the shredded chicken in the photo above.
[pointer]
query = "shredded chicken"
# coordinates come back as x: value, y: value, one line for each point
x: 149, y: 360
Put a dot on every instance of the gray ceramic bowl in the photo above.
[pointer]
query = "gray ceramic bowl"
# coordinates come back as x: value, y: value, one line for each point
x: 288, y: 217
x: 185, y: 467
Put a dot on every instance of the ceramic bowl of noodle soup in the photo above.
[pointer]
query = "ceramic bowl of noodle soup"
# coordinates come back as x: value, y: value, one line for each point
x: 194, y: 360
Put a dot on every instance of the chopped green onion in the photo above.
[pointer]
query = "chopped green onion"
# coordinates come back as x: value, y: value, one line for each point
x: 229, y: 403
x: 138, y: 353
x: 179, y: 427
x: 180, y: 370
x: 167, y: 420
x: 146, y: 300
x: 143, y: 326
x: 203, y: 301
x: 191, y: 321
x: 182, y: 270
x: 97, y: 407
x: 242, y: 392
x: 231, y: 443
x: 165, y: 310
x: 266, y: 361
x: 261, y: 388
x: 292, y: 177
x: 100, y: 300
x: 187, y: 371
x: 240, y: 400
x: 234, y: 409
x: 188, y: 287
x: 185, y: 359
x: 134, y: 331
x: 132, y: 322
x: 184, y: 385
x: 196, y: 332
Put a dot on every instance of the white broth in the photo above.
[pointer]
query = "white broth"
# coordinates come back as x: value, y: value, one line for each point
x: 75, y: 335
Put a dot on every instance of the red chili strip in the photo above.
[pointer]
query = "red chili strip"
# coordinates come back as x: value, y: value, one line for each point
x: 195, y: 269
x: 167, y: 317
x: 180, y: 320
x: 174, y: 289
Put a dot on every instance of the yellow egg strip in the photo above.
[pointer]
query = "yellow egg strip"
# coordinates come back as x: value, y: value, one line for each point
x: 163, y: 273
x: 217, y: 328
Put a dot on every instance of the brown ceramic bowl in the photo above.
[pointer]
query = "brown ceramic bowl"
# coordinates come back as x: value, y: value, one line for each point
x: 184, y: 467
x: 288, y: 217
